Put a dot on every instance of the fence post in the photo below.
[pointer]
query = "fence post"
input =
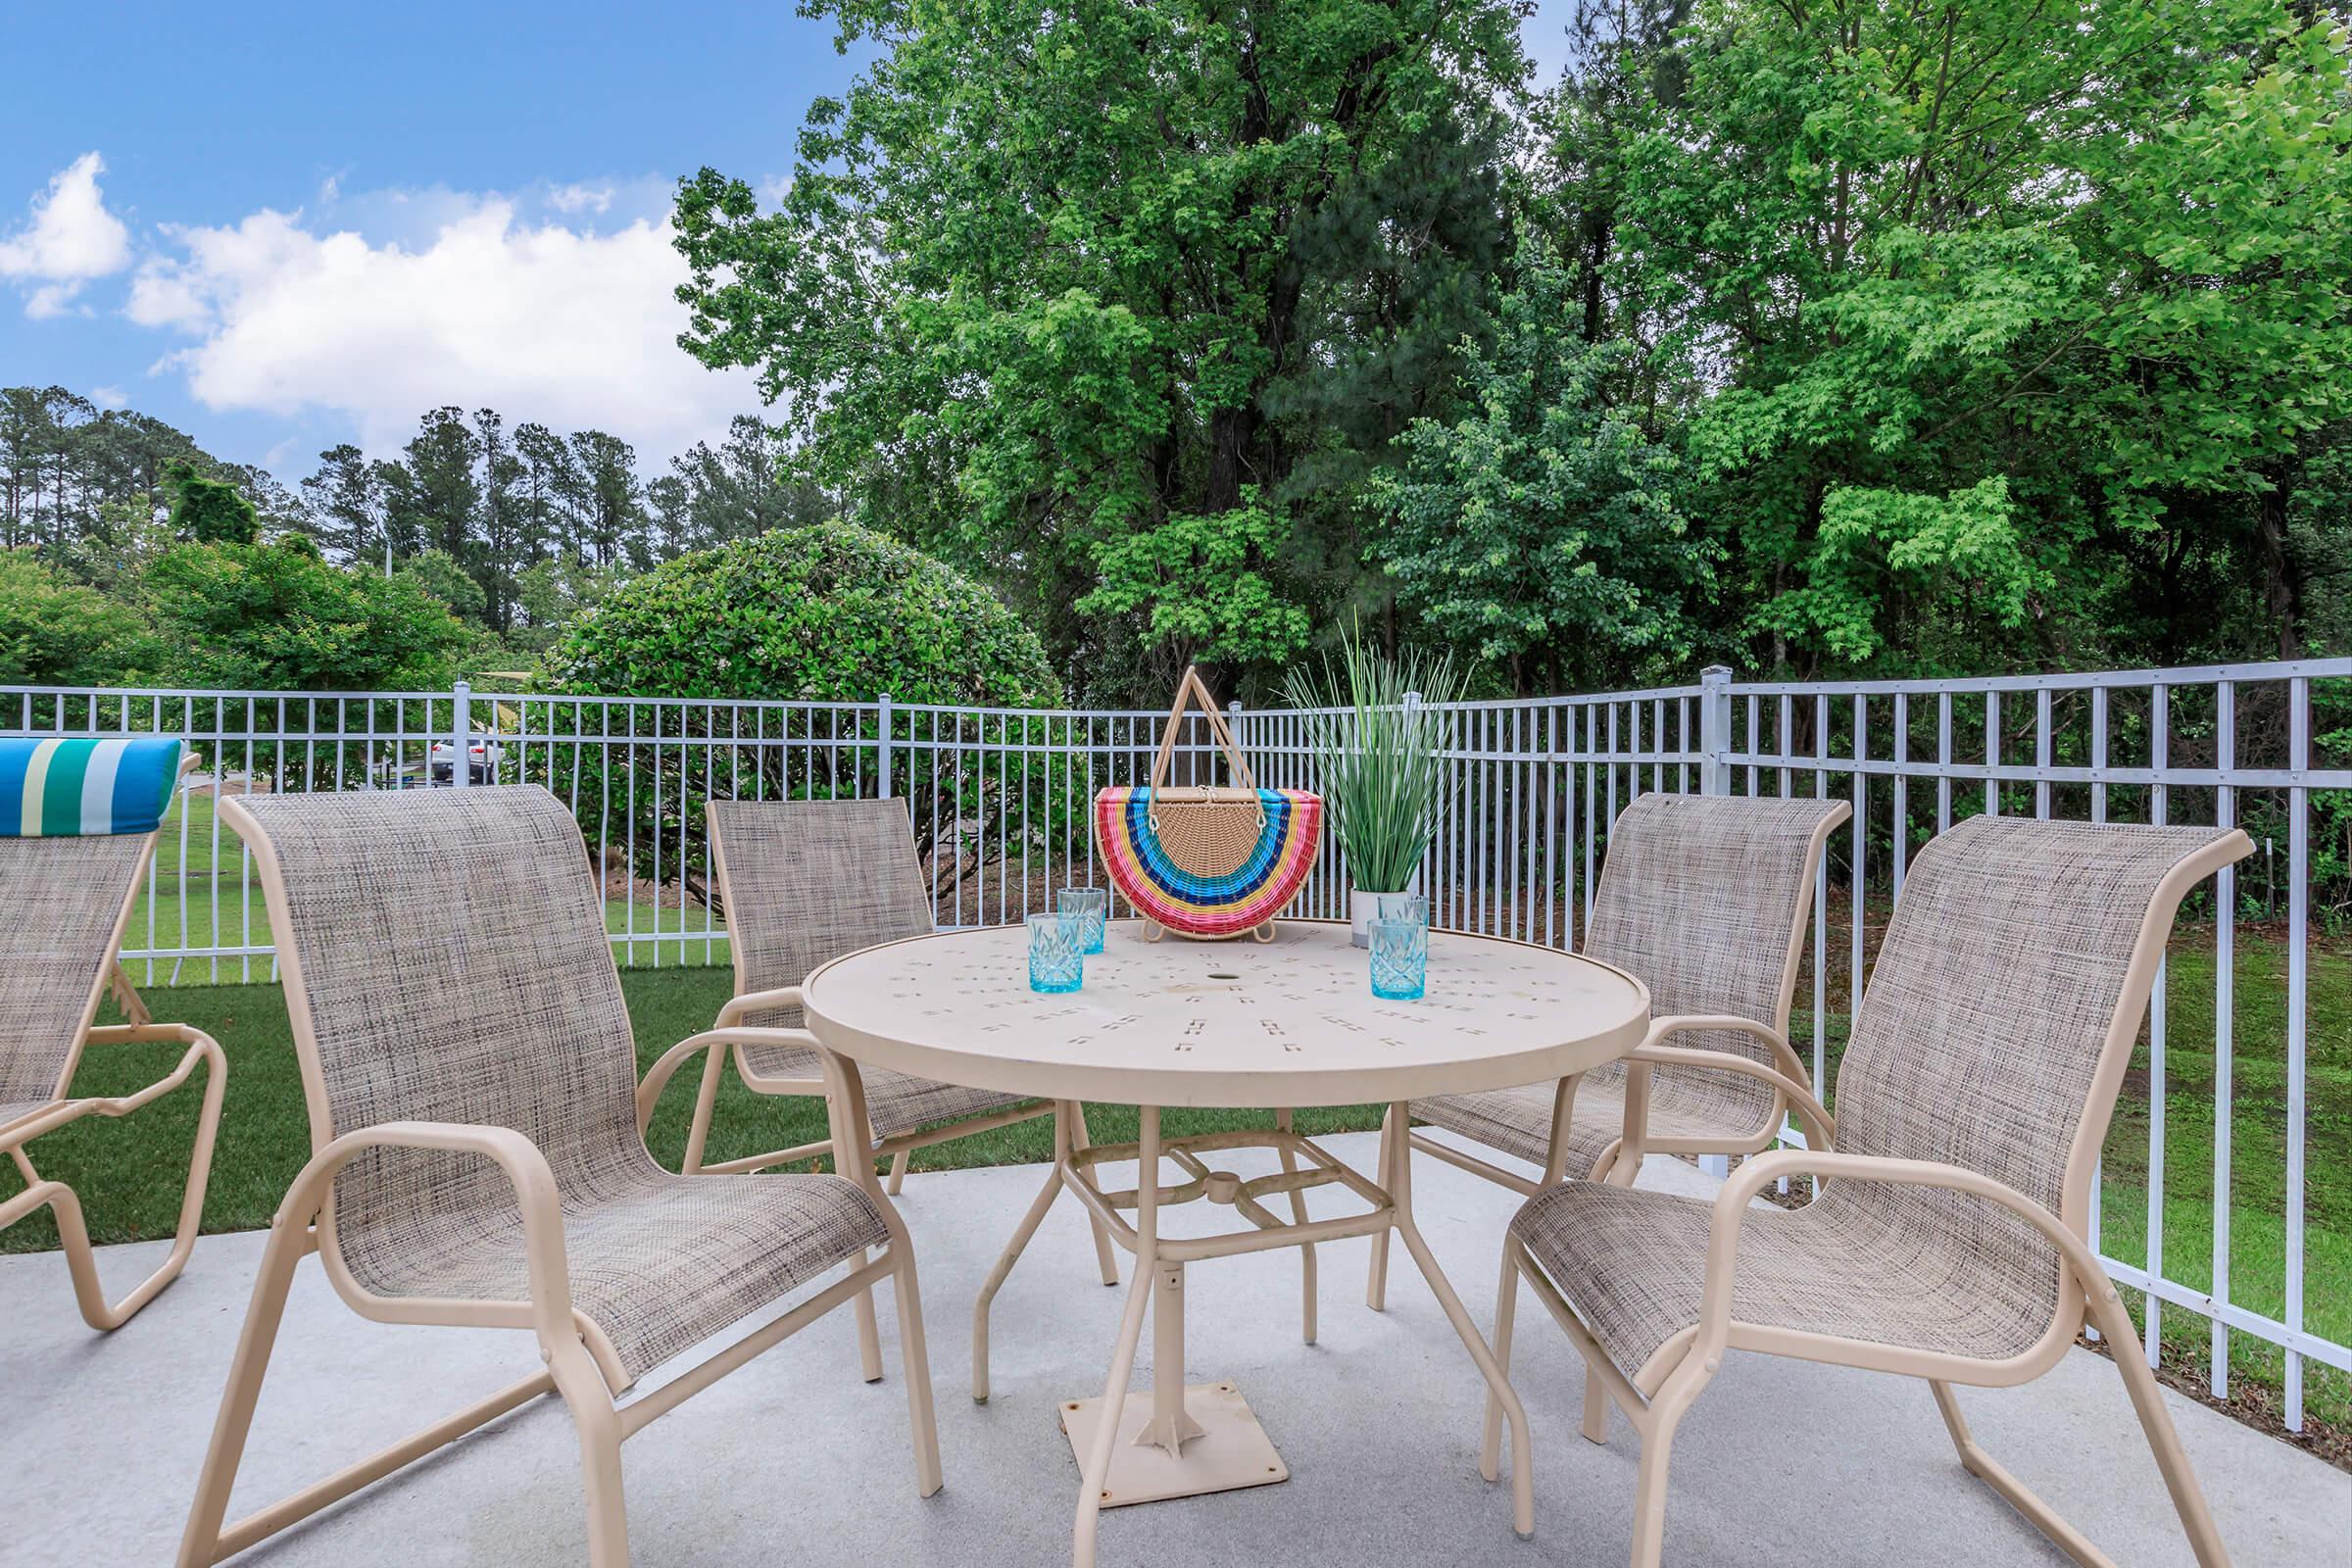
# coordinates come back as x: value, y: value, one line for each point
x: 1233, y: 721
x: 1715, y: 730
x: 461, y: 725
x: 882, y: 745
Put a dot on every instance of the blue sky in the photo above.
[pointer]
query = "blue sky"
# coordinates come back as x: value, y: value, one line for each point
x: 282, y: 226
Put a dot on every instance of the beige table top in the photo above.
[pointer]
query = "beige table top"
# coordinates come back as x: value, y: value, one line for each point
x: 1291, y: 1022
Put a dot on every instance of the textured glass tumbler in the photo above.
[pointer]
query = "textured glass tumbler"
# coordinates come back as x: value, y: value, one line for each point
x: 1400, y: 959
x: 1409, y: 908
x: 1089, y: 908
x: 1055, y: 962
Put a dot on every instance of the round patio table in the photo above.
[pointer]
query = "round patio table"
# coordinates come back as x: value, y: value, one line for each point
x: 1178, y: 1023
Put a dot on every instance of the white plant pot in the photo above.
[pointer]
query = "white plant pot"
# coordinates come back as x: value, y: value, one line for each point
x: 1362, y: 909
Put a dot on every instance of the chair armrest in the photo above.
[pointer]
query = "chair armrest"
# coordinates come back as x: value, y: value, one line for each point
x: 1754, y: 1175
x: 1821, y: 1128
x: 524, y: 1166
x: 731, y: 1014
x: 844, y: 1089
x: 658, y: 1076
x: 201, y: 1048
x: 1783, y: 1054
x: 1788, y: 1076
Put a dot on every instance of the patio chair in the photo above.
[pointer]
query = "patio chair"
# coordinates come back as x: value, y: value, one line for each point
x: 478, y: 1144
x: 803, y: 882
x: 1946, y: 1238
x: 79, y: 821
x: 1704, y: 899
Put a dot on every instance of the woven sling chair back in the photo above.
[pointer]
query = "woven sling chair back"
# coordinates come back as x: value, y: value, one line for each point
x: 1700, y: 897
x: 67, y: 898
x: 808, y: 881
x: 449, y: 963
x: 454, y: 967
x: 1981, y: 1043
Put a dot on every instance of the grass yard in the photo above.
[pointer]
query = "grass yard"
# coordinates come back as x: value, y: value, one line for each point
x: 128, y: 1172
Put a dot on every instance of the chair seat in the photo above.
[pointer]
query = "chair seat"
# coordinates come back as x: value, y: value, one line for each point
x: 1518, y: 1122
x: 660, y: 1265
x: 1633, y: 1265
x: 18, y: 1110
x: 894, y: 1101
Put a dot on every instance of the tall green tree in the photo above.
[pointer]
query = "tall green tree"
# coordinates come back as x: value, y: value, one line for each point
x: 1114, y: 302
x: 1538, y: 531
x: 281, y: 618
x: 2018, y: 319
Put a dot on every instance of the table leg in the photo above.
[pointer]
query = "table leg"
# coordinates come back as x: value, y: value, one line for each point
x: 1081, y: 1141
x: 1067, y: 1130
x: 1523, y: 1491
x: 1096, y: 1468
x: 1174, y: 1440
x: 1283, y: 1122
x: 1170, y: 1425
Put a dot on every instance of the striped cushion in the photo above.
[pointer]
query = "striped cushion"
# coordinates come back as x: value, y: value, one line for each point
x: 52, y: 787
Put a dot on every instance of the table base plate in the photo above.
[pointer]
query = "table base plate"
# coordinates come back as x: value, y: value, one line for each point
x: 1232, y: 1452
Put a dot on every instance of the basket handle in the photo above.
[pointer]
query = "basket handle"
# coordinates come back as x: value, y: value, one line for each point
x: 1190, y: 689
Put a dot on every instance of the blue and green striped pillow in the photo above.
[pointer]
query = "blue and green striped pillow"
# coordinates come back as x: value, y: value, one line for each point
x: 52, y: 787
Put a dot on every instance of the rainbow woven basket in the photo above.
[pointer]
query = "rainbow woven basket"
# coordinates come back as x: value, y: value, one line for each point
x: 1164, y: 893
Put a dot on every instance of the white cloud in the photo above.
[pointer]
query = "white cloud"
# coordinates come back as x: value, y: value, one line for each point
x: 541, y: 321
x: 580, y: 198
x: 110, y: 397
x: 67, y: 239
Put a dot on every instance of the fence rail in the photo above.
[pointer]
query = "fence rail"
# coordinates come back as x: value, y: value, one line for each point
x: 1000, y: 805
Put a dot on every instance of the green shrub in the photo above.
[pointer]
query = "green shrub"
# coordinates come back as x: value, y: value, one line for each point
x: 833, y: 612
x: 56, y: 632
x: 827, y: 613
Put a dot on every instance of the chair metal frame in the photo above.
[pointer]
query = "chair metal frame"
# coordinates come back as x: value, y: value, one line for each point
x: 1661, y: 1391
x: 73, y: 1231
x: 582, y: 1365
x: 1620, y: 1163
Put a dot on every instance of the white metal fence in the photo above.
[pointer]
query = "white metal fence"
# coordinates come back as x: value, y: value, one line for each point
x: 1000, y: 798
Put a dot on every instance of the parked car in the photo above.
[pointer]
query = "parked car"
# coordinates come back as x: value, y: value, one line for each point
x: 483, y: 754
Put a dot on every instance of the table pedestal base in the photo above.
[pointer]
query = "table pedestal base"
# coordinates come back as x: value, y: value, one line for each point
x: 1231, y: 1451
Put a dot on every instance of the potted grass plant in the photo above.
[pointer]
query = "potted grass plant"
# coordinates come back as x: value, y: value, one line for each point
x: 1374, y: 741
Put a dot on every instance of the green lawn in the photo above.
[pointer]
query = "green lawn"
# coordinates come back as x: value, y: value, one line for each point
x: 128, y: 1171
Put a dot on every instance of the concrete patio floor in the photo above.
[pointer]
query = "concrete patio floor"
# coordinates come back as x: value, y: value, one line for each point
x: 794, y: 1459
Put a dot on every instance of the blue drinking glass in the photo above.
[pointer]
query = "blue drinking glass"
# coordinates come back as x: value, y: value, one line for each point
x: 1410, y: 908
x: 1057, y: 962
x: 1090, y: 909
x: 1400, y: 959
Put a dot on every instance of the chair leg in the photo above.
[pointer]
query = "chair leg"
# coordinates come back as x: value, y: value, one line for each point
x: 915, y: 1358
x: 72, y: 1233
x: 590, y: 1402
x: 1657, y: 1442
x: 1506, y: 1305
x: 1309, y: 1291
x: 898, y: 1171
x: 200, y: 1543
x: 2156, y: 1423
x: 1376, y: 1283
x: 1596, y: 1426
x: 870, y: 1336
x: 1106, y: 1257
